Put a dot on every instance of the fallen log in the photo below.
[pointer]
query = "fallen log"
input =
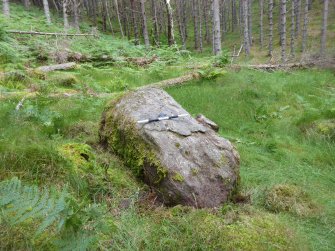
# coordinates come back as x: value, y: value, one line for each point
x: 50, y: 33
x: 174, y: 81
x: 279, y: 66
x: 48, y: 68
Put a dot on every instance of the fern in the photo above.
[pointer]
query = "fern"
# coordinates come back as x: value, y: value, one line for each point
x: 20, y: 203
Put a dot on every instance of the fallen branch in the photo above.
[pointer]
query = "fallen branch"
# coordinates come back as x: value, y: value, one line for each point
x: 279, y: 66
x: 49, y: 68
x: 174, y: 81
x: 51, y: 33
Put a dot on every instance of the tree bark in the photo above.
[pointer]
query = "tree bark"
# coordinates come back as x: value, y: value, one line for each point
x: 261, y: 37
x: 216, y: 27
x: 6, y: 11
x: 180, y: 23
x: 65, y: 16
x: 145, y: 28
x: 270, y: 27
x: 283, y: 30
x: 200, y: 25
x: 246, y: 26
x: 324, y: 27
x: 195, y: 24
x: 75, y: 9
x: 26, y: 4
x: 118, y: 17
x: 133, y: 17
x: 297, y: 11
x: 250, y: 22
x: 155, y: 22
x: 304, y: 31
x: 233, y: 15
x: 170, y: 31
x: 292, y: 28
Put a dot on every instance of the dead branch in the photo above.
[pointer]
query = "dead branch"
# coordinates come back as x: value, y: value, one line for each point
x: 50, y: 33
x: 48, y: 68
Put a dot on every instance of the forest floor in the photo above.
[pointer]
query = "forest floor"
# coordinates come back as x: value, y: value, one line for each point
x: 76, y: 195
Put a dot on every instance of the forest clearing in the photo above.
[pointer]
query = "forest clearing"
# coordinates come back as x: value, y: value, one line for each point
x: 167, y: 125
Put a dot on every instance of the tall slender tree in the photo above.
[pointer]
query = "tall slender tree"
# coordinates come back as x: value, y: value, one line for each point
x: 171, y: 39
x: 118, y: 16
x: 292, y: 28
x: 304, y: 30
x: 246, y: 27
x: 26, y: 4
x: 297, y: 11
x: 216, y: 27
x: 75, y: 9
x: 250, y: 22
x: 324, y: 27
x: 155, y: 22
x: 133, y: 18
x: 47, y: 11
x: 261, y: 37
x: 270, y: 27
x: 283, y: 30
x: 144, y: 25
x: 65, y: 15
x: 5, y: 5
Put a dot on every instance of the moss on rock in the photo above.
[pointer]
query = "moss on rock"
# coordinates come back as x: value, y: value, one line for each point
x: 121, y: 136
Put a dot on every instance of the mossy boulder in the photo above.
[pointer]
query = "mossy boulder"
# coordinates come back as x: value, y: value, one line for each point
x: 184, y: 161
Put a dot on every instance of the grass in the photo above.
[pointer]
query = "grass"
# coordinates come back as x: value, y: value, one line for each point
x: 263, y: 113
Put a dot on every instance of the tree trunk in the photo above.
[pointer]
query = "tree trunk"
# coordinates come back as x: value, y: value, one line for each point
x: 261, y: 38
x: 180, y: 23
x: 233, y: 15
x: 207, y: 32
x: 118, y: 17
x: 246, y: 26
x: 324, y: 27
x: 216, y: 27
x: 145, y: 28
x: 199, y: 25
x: 292, y: 29
x: 250, y: 22
x: 195, y: 24
x: 297, y: 11
x: 155, y: 22
x: 270, y: 27
x: 65, y: 16
x: 283, y: 30
x: 75, y: 9
x: 170, y: 31
x: 304, y: 30
x: 47, y: 11
x: 26, y: 4
x: 133, y: 17
x: 6, y: 11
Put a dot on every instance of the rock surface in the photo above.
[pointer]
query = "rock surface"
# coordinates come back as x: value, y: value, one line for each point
x: 184, y: 161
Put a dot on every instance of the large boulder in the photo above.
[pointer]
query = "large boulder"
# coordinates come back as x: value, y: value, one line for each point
x: 185, y: 161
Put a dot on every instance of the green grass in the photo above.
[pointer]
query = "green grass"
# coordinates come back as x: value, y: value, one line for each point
x: 263, y: 114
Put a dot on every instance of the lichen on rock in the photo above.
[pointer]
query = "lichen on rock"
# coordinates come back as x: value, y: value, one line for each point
x: 166, y: 153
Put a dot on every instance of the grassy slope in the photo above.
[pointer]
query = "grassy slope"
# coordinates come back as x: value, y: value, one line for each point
x: 262, y: 113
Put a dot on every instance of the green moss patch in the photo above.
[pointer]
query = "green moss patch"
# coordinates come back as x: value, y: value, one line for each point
x: 289, y: 198
x: 122, y: 137
x: 64, y: 79
x: 80, y: 155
